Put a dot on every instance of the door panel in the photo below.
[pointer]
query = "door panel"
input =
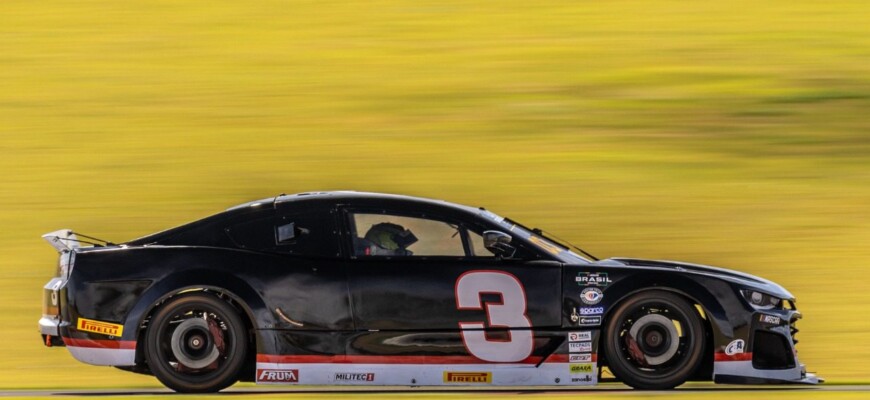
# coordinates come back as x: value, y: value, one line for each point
x: 413, y: 294
x: 486, y: 311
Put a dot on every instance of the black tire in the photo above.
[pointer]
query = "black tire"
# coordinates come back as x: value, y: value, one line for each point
x: 183, y: 344
x: 654, y: 340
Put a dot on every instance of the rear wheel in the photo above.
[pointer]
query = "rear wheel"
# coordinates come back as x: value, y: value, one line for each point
x: 196, y: 343
x: 655, y: 340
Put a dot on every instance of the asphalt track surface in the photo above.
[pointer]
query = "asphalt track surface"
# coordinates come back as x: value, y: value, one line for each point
x: 603, y: 389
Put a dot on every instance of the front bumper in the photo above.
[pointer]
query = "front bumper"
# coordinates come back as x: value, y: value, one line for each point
x: 766, y: 353
x: 808, y: 379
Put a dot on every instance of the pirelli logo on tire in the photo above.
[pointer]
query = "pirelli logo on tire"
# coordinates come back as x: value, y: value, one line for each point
x: 105, y: 328
x: 467, y: 377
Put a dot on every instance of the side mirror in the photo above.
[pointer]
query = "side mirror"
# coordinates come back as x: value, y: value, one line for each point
x: 498, y: 243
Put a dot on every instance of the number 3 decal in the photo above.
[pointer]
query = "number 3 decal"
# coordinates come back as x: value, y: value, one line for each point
x: 510, y: 313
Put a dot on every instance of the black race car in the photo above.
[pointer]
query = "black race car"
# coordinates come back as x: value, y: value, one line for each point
x: 347, y: 288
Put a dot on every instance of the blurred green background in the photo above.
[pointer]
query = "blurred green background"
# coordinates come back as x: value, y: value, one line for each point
x: 728, y: 133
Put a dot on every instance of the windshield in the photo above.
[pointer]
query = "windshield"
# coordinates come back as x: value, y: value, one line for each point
x: 540, y: 241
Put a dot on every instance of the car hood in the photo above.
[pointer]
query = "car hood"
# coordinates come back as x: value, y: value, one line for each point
x: 740, y: 278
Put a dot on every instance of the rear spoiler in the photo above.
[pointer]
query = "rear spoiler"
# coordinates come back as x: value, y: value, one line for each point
x: 62, y: 240
x: 67, y: 240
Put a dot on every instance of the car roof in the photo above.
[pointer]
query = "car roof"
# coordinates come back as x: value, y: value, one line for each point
x: 350, y: 196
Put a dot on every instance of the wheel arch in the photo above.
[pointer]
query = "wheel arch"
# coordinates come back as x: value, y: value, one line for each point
x: 224, y: 286
x: 714, y: 317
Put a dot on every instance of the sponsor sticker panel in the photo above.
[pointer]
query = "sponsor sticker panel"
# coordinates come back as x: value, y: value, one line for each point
x: 105, y: 328
x: 580, y: 347
x: 467, y: 377
x: 591, y: 310
x: 589, y: 321
x: 735, y: 347
x: 580, y: 358
x: 280, y: 376
x: 591, y: 295
x: 769, y: 319
x: 353, y: 377
x: 583, y: 336
x: 580, y: 368
x: 599, y: 279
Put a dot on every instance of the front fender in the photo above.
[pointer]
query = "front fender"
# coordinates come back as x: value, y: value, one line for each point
x: 724, y: 311
x: 721, y: 306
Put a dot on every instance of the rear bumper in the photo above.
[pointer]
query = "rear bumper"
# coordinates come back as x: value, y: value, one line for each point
x: 115, y: 353
x: 49, y: 328
x: 49, y: 324
x: 90, y: 351
x: 83, y: 346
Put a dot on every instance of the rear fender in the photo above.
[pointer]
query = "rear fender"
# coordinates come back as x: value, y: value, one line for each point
x: 216, y: 281
x: 242, y: 295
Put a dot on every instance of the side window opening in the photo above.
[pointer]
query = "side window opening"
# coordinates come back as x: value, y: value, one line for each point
x: 400, y: 236
x: 297, y: 234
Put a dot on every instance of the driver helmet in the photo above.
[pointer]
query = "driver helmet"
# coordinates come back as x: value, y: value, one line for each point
x: 390, y: 239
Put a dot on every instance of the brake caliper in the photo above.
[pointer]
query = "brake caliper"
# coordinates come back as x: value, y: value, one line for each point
x: 634, y: 350
x: 217, y: 335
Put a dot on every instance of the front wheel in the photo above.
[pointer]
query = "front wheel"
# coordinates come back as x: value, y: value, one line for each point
x: 196, y: 343
x: 654, y: 340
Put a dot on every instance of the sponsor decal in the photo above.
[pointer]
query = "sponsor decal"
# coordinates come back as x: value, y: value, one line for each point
x: 591, y: 295
x: 467, y: 377
x: 105, y: 328
x: 769, y: 319
x: 735, y: 347
x: 354, y: 377
x: 589, y: 321
x: 580, y: 358
x: 580, y: 347
x: 580, y: 368
x: 599, y: 279
x: 584, y: 336
x: 591, y: 310
x: 278, y: 375
x: 586, y: 378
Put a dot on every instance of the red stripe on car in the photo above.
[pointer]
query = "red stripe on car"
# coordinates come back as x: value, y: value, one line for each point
x: 100, y: 344
x: 733, y: 357
x: 370, y: 359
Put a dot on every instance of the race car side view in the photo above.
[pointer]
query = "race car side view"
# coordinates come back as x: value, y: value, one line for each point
x: 350, y: 288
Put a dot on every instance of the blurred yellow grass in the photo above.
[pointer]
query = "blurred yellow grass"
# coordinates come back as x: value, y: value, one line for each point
x: 732, y: 134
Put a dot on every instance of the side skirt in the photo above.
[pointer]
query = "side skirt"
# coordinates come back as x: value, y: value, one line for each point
x: 421, y: 371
